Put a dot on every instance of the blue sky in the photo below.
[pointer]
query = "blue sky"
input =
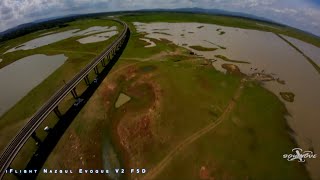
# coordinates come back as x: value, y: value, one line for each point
x: 303, y: 14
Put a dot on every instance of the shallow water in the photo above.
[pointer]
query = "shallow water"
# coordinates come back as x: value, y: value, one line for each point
x: 266, y: 52
x: 97, y: 37
x: 52, y: 38
x: 122, y: 99
x: 309, y: 49
x: 20, y: 77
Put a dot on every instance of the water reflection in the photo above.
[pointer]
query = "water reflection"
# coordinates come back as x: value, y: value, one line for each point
x: 20, y: 77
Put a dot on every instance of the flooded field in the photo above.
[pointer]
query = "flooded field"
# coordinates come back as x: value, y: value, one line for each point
x: 97, y: 37
x: 310, y: 50
x: 52, y: 38
x: 266, y: 54
x: 20, y: 77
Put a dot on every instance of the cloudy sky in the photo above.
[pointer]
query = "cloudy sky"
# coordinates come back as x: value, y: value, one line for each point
x: 303, y: 14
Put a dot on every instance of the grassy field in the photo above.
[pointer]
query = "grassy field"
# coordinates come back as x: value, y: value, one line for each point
x: 78, y: 56
x: 247, y: 145
x: 173, y: 96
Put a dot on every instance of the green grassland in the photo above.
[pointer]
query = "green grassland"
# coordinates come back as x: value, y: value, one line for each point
x: 249, y: 144
x: 220, y: 20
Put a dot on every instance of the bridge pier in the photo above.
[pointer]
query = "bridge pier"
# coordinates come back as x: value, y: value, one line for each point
x: 35, y: 137
x: 96, y: 70
x: 86, y: 79
x: 103, y: 63
x: 57, y: 112
x: 74, y: 93
x: 112, y: 52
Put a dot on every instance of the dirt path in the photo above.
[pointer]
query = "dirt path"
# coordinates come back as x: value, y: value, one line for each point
x: 161, y: 55
x: 189, y: 140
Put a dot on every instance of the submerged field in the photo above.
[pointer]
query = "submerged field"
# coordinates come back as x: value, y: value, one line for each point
x: 167, y: 110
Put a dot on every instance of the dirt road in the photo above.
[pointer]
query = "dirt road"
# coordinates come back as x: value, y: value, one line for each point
x: 189, y: 140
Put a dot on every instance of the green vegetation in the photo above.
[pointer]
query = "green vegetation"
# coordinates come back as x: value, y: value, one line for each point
x: 222, y: 33
x: 184, y: 95
x: 139, y: 52
x: 201, y: 48
x: 58, y: 23
x: 248, y: 145
x: 162, y: 33
x: 173, y: 95
x: 230, y: 60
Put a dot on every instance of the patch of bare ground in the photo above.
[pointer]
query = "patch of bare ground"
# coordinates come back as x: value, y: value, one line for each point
x: 210, y: 171
x: 136, y: 126
x: 232, y: 69
x: 204, y: 173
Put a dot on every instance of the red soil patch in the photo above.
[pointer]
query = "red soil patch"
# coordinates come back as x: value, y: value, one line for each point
x: 136, y: 127
x: 204, y: 174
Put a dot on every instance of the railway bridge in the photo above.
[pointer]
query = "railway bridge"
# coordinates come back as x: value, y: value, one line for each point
x: 106, y: 60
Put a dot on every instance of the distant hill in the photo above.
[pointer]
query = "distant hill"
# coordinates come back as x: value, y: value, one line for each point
x: 226, y: 13
x: 215, y: 12
x: 47, y: 23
